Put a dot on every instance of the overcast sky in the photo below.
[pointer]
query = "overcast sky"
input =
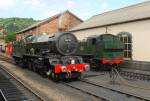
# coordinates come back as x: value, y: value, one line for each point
x: 41, y: 9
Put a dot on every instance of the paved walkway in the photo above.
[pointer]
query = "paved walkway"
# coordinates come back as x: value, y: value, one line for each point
x: 5, y: 55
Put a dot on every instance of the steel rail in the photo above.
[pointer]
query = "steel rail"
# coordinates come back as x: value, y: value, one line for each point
x: 109, y: 88
x: 3, y: 95
x: 22, y: 83
x: 83, y: 91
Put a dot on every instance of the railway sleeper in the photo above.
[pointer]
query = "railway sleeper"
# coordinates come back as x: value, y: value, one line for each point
x: 135, y: 76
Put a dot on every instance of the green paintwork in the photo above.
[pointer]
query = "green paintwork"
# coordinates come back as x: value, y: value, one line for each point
x: 105, y: 46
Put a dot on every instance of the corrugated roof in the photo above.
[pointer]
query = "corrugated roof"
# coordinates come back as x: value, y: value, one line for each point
x: 130, y: 13
x: 45, y: 20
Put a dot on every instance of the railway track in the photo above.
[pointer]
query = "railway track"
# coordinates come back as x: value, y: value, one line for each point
x: 103, y: 92
x: 135, y: 74
x: 11, y: 93
x: 128, y: 95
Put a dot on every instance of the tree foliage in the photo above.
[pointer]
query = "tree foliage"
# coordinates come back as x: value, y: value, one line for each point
x: 13, y: 25
x: 11, y: 36
x: 16, y: 24
x: 1, y: 35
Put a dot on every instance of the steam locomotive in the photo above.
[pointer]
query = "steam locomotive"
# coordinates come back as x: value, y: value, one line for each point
x: 50, y: 55
x: 102, y: 51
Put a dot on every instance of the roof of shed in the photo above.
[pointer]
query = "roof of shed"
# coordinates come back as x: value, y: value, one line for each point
x: 131, y: 13
x: 48, y: 19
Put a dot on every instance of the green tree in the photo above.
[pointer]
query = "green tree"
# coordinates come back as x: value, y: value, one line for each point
x: 16, y: 24
x: 1, y: 36
x: 10, y: 36
x: 12, y: 25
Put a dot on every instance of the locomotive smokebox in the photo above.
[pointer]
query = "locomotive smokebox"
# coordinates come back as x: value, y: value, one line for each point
x: 66, y: 43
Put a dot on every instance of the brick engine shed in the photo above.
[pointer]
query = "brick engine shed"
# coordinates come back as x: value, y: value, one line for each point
x: 61, y: 22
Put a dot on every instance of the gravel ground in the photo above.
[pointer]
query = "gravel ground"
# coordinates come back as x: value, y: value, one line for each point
x: 50, y: 90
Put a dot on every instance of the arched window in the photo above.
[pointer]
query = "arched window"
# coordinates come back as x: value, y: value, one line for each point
x: 126, y: 38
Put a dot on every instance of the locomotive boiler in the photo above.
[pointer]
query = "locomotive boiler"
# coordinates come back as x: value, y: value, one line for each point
x: 60, y: 43
x: 51, y: 55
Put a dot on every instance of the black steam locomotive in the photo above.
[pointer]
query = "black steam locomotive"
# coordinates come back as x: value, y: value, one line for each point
x: 51, y: 55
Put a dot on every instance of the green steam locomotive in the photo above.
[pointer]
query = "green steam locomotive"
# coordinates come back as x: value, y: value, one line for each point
x: 103, y: 52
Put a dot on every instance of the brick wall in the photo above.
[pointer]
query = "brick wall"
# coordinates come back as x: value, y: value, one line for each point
x: 57, y: 24
x: 69, y: 21
x: 49, y: 27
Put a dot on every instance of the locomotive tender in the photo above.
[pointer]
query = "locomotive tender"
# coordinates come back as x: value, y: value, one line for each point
x: 103, y: 51
x: 51, y: 55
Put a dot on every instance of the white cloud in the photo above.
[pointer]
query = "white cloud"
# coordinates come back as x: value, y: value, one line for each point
x: 49, y: 13
x: 5, y: 4
x: 34, y: 3
x: 71, y: 4
x: 105, y: 5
